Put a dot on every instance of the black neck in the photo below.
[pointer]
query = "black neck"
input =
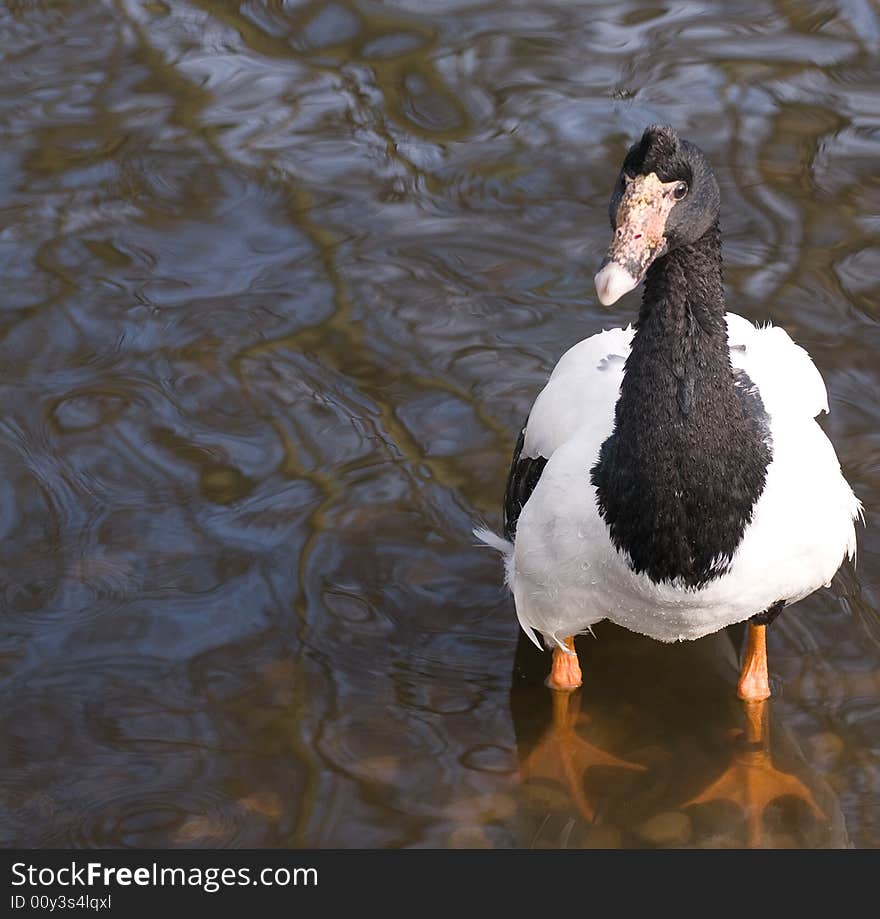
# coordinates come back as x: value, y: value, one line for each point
x: 679, y: 477
x: 688, y: 282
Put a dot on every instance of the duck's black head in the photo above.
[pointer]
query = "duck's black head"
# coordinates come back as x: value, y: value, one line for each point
x: 666, y: 196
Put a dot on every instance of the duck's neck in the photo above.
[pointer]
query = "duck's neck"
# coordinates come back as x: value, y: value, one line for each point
x: 678, y: 479
x: 684, y: 299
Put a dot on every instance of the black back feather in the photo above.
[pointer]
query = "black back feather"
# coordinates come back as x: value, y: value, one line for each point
x: 521, y: 481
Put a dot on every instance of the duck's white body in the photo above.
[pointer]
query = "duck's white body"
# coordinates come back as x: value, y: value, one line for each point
x: 562, y: 567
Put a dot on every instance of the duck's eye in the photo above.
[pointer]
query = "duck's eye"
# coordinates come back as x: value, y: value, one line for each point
x: 680, y: 191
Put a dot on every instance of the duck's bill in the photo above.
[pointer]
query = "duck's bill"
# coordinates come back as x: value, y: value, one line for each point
x: 639, y: 237
x: 612, y: 282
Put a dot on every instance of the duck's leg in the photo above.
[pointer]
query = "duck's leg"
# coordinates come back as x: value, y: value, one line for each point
x: 565, y: 672
x: 754, y: 678
x: 754, y: 681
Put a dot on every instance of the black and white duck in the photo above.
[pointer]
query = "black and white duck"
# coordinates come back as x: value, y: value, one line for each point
x: 671, y: 476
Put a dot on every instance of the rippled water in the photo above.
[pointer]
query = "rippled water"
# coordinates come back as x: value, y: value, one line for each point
x: 280, y: 281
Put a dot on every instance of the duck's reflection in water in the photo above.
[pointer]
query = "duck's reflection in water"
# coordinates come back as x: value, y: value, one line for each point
x: 655, y: 750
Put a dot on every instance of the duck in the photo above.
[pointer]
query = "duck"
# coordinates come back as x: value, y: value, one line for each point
x: 671, y: 476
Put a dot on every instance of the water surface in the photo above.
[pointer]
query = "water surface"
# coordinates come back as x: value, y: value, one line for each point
x: 280, y: 282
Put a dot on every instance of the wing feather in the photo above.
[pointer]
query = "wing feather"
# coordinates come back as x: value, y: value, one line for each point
x: 581, y: 391
x: 521, y: 481
x: 784, y: 373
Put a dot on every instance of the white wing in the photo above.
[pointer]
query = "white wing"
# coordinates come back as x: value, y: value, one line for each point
x: 581, y: 392
x: 784, y: 373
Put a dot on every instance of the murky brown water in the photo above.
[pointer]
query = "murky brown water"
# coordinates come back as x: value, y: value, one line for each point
x: 280, y: 281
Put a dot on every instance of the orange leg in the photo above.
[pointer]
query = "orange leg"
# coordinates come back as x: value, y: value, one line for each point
x: 565, y: 674
x: 754, y: 681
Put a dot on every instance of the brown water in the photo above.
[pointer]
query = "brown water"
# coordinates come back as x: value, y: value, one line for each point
x: 280, y: 282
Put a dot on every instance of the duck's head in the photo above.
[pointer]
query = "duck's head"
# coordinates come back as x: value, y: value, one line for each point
x: 666, y: 196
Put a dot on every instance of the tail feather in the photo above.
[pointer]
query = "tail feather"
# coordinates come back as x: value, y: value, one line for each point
x: 493, y: 540
x: 505, y: 547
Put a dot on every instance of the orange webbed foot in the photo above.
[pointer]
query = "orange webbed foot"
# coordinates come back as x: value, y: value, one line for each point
x: 562, y: 755
x: 752, y: 782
